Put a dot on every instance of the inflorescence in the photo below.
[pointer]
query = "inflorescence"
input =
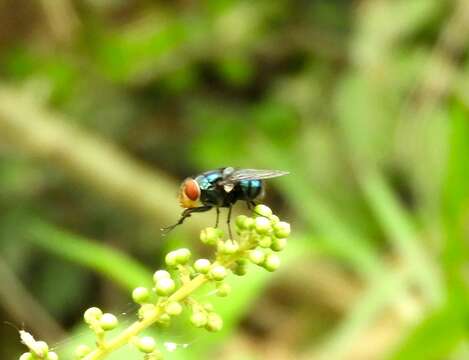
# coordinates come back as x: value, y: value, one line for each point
x: 260, y: 238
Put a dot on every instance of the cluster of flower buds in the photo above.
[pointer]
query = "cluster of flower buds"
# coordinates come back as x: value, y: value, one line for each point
x: 99, y: 323
x: 266, y: 234
x: 38, y: 350
x: 203, y: 316
x: 260, y: 238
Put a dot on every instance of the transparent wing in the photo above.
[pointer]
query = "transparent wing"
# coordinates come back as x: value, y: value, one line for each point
x: 251, y: 174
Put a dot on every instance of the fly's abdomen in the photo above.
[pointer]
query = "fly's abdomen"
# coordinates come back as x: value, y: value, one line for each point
x: 251, y: 189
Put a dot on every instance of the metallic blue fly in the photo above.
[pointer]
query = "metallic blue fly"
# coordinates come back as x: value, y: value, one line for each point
x: 222, y: 188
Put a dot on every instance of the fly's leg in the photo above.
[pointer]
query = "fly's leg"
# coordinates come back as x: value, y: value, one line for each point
x: 185, y: 214
x: 251, y: 205
x: 228, y: 221
x: 218, y: 217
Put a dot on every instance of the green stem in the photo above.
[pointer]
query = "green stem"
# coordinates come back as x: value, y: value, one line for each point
x: 138, y: 326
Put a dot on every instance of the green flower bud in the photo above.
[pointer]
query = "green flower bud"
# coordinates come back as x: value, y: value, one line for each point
x: 155, y: 355
x: 164, y: 320
x: 146, y: 311
x: 171, y: 259
x: 210, y: 235
x: 282, y: 229
x: 248, y: 223
x: 198, y: 319
x: 242, y: 261
x: 240, y: 221
x: 141, y: 295
x: 182, y: 256
x: 278, y: 244
x: 92, y: 315
x: 263, y: 210
x: 146, y: 344
x: 229, y: 247
x: 82, y: 350
x: 223, y: 289
x: 274, y: 219
x: 240, y: 268
x: 40, y: 348
x: 173, y: 308
x: 262, y: 225
x: 218, y: 272
x: 208, y: 307
x: 165, y: 287
x: 265, y: 241
x: 26, y: 356
x: 272, y: 262
x: 214, y: 322
x: 257, y: 256
x: 108, y: 322
x: 202, y: 266
x: 52, y: 356
x: 160, y: 274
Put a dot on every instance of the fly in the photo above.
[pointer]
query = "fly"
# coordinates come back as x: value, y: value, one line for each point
x: 222, y: 188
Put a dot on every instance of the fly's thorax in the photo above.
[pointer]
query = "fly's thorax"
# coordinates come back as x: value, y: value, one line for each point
x: 208, y: 187
x: 212, y: 192
x: 209, y: 179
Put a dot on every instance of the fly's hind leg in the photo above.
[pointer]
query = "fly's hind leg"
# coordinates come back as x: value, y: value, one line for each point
x: 251, y: 205
x: 185, y: 214
x: 218, y: 217
x: 228, y: 221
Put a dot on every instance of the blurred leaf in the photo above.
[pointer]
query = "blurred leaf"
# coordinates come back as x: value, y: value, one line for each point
x: 339, y: 236
x: 68, y: 297
x: 126, y: 55
x: 276, y: 121
x: 456, y: 202
x: 363, y: 314
x: 436, y: 336
x: 109, y: 262
x: 365, y: 119
x: 237, y: 70
x: 377, y: 35
x: 443, y: 330
x: 456, y: 188
x: 58, y: 71
x: 403, y: 235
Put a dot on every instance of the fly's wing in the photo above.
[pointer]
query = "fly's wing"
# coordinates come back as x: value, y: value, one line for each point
x: 232, y: 176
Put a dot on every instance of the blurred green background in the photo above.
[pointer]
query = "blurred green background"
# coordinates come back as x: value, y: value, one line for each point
x: 106, y: 105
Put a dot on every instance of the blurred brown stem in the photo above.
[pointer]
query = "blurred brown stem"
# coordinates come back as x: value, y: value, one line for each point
x: 61, y: 18
x: 87, y: 158
x: 19, y: 302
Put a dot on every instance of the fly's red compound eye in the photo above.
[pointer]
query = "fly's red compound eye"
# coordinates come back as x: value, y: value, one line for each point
x: 191, y: 189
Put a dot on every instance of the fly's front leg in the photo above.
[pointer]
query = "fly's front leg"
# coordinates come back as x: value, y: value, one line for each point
x: 228, y: 221
x: 185, y: 214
